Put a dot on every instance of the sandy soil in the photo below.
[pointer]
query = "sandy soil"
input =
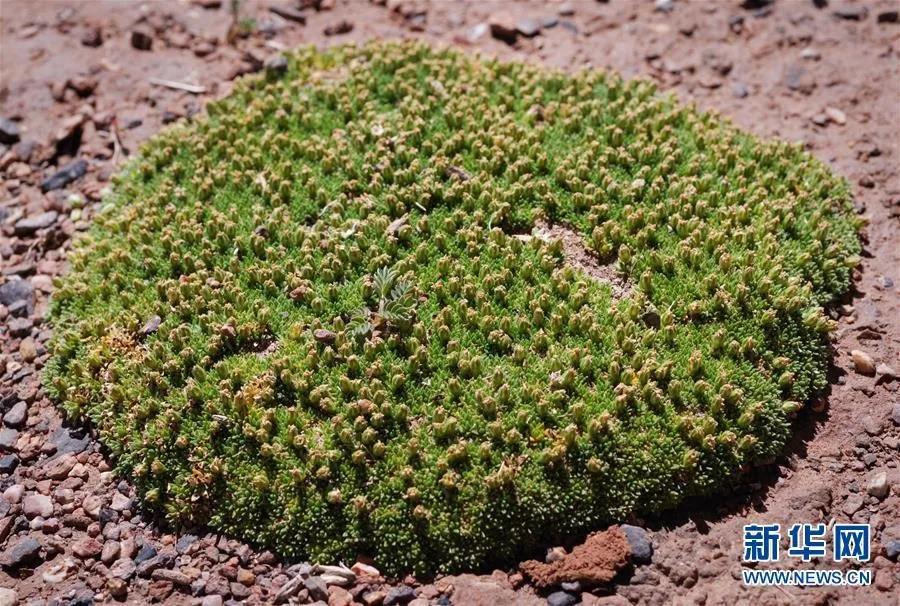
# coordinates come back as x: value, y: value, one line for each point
x: 74, y: 85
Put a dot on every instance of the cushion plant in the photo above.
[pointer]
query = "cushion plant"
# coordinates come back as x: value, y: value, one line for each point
x: 332, y: 316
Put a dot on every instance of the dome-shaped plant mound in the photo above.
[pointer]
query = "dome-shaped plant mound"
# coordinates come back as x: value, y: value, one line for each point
x: 441, y: 310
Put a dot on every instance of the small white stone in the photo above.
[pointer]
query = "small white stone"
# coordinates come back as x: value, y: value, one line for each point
x: 836, y: 115
x: 37, y: 505
x: 14, y: 493
x: 886, y: 372
x: 120, y: 502
x: 555, y: 554
x: 8, y: 597
x: 878, y: 485
x: 810, y: 54
x: 92, y: 505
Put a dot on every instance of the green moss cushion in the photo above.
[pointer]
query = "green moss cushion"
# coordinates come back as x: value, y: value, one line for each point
x: 334, y: 316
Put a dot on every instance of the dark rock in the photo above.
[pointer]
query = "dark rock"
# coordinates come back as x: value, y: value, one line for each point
x: 71, y: 172
x: 15, y: 291
x: 67, y: 442
x: 92, y: 36
x: 184, y: 543
x: 146, y: 567
x: 892, y: 549
x: 84, y: 597
x: 889, y: 16
x: 107, y: 516
x: 651, y: 318
x: 9, y: 131
x: 316, y: 587
x: 755, y: 4
x: 146, y: 552
x: 27, y: 226
x: 16, y: 415
x: 8, y: 463
x: 820, y: 3
x: 341, y: 27
x: 851, y: 12
x: 67, y: 139
x: 141, y: 39
x: 24, y: 552
x: 639, y: 541
x: 561, y: 598
x: 289, y: 14
x: 399, y: 595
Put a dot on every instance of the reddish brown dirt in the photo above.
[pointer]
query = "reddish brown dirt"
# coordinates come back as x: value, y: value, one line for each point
x: 791, y: 70
x: 596, y: 561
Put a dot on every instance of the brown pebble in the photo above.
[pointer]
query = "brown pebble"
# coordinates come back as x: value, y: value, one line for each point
x: 863, y: 362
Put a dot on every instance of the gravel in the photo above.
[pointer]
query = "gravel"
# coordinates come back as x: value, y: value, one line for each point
x: 66, y: 175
